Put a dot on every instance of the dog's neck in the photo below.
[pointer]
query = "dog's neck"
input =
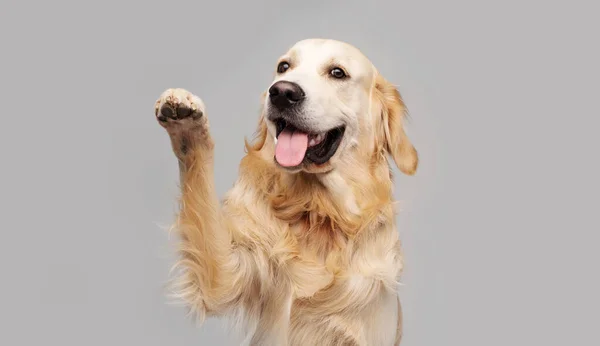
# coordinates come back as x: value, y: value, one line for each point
x: 346, y: 199
x: 353, y: 198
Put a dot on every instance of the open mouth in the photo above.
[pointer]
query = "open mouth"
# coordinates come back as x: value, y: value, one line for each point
x: 295, y: 146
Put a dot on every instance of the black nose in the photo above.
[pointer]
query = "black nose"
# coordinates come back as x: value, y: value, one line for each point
x: 284, y: 94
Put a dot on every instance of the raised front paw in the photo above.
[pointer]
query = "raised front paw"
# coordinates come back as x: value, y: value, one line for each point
x: 181, y: 113
x: 178, y: 106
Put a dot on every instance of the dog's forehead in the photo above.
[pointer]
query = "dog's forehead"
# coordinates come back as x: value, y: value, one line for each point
x: 319, y: 51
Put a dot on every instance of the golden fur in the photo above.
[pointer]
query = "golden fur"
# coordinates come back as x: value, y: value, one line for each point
x: 297, y: 258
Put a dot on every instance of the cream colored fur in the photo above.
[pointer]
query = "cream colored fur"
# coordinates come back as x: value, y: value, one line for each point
x: 309, y: 257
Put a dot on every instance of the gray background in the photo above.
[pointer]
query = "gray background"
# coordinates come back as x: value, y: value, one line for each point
x: 499, y: 225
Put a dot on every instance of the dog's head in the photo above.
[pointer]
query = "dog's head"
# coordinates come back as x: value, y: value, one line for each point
x: 327, y: 105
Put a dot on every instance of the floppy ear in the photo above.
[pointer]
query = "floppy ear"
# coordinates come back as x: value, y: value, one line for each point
x: 260, y: 136
x: 393, y: 112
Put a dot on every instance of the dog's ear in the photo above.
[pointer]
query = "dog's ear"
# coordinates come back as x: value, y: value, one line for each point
x: 260, y: 136
x: 395, y: 140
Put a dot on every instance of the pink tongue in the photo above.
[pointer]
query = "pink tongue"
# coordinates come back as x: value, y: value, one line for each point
x: 291, y: 148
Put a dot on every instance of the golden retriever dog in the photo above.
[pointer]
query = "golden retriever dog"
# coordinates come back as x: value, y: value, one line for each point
x: 303, y: 250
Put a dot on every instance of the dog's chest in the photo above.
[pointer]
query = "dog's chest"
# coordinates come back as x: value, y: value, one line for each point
x: 342, y: 302
x: 338, y: 285
x: 324, y: 257
x: 320, y: 255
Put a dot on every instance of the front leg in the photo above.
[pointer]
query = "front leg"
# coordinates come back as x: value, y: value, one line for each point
x: 211, y: 280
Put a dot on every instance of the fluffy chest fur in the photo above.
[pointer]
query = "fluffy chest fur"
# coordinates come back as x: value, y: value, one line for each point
x: 329, y: 261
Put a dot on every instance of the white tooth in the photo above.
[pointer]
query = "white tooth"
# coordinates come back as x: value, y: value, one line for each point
x: 275, y: 139
x: 312, y: 142
x: 319, y: 138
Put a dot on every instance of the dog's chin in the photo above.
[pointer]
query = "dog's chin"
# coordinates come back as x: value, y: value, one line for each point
x: 304, y: 149
x: 307, y: 167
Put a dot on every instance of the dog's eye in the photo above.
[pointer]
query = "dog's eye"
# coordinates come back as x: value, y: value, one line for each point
x: 337, y: 73
x: 282, y: 67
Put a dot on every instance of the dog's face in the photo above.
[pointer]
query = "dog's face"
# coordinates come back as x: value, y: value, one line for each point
x: 327, y: 100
